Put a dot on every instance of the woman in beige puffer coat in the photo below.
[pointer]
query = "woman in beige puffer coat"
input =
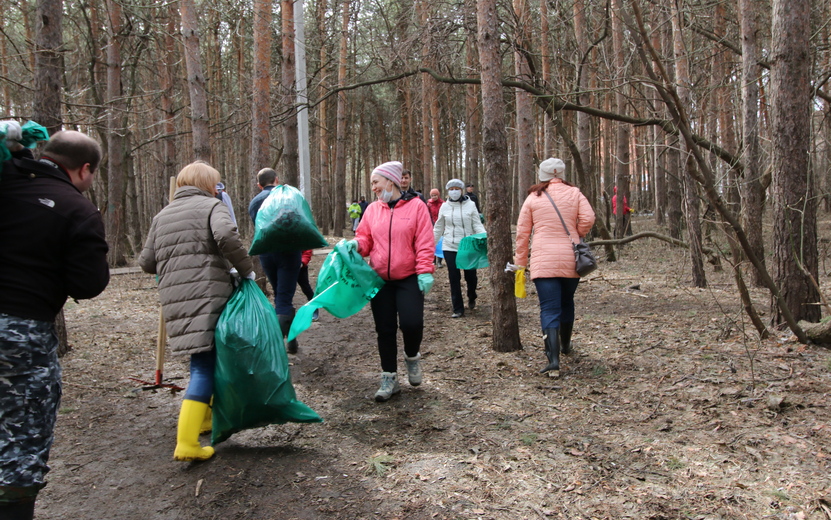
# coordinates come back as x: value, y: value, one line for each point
x: 552, y: 256
x: 192, y: 245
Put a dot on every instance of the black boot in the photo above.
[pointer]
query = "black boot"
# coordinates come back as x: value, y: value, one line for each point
x: 18, y: 510
x: 285, y: 326
x: 565, y: 337
x: 552, y: 351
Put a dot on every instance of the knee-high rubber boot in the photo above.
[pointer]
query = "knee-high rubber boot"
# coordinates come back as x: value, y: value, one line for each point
x: 18, y: 510
x: 207, y: 422
x: 552, y: 351
x: 187, y: 438
x: 565, y: 337
x: 285, y: 326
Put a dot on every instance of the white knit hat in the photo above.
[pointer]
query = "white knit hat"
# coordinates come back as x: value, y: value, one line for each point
x: 549, y: 168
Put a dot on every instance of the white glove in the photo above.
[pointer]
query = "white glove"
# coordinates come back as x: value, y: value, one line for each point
x: 251, y: 276
x: 511, y: 268
x: 234, y: 271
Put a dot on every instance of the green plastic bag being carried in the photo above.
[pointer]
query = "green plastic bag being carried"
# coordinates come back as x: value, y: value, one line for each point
x: 285, y: 223
x: 252, y: 383
x: 473, y: 252
x: 345, y: 284
x: 27, y: 135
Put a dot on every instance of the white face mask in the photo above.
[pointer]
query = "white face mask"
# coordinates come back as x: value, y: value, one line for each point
x: 386, y: 195
x: 454, y: 194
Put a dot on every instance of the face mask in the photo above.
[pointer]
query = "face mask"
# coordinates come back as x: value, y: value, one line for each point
x: 455, y: 194
x: 386, y: 195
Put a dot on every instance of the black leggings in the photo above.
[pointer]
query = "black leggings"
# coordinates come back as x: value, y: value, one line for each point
x: 303, y: 282
x: 398, y: 303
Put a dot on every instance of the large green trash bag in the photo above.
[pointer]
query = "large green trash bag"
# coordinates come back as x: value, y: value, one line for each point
x: 473, y: 252
x: 252, y: 382
x: 285, y: 223
x: 28, y: 135
x: 345, y: 284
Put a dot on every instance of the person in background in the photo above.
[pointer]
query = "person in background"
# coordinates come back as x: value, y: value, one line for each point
x: 192, y: 246
x: 433, y: 204
x: 457, y: 219
x: 303, y: 280
x: 552, y: 257
x: 363, y: 204
x: 54, y: 247
x: 627, y: 213
x: 224, y: 197
x: 395, y: 234
x: 406, y: 185
x: 355, y: 212
x: 281, y: 268
x: 472, y: 195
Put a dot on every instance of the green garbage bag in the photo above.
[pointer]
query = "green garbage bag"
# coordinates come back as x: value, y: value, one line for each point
x: 345, y: 284
x: 285, y: 223
x: 27, y: 135
x: 473, y: 252
x: 252, y: 382
x: 32, y: 133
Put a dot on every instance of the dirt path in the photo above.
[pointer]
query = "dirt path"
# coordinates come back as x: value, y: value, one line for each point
x: 663, y: 412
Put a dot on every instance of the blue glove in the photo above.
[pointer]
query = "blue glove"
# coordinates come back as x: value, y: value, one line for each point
x: 351, y: 245
x: 425, y: 282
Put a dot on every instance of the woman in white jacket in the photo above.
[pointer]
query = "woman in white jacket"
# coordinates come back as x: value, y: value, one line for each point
x: 457, y: 219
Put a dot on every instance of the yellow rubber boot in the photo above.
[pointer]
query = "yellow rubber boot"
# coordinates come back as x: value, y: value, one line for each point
x: 187, y: 438
x: 207, y: 422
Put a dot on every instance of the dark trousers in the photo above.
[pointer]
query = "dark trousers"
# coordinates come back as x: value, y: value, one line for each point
x: 303, y: 282
x: 556, y: 301
x: 455, y: 275
x: 399, y: 303
x: 282, y: 269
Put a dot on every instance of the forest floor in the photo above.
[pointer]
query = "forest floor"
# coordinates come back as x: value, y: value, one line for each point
x: 670, y: 408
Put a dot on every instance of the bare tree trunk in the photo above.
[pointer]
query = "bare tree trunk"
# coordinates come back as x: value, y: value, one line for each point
x: 794, y: 208
x: 547, y: 148
x: 261, y: 94
x: 428, y: 86
x: 116, y: 110
x: 290, y: 157
x: 524, y: 103
x: 622, y: 133
x: 341, y: 137
x: 504, y: 320
x: 473, y: 133
x: 584, y: 128
x: 752, y: 193
x: 196, y: 82
x: 48, y: 65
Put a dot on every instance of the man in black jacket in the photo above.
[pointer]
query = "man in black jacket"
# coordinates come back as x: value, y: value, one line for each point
x: 53, y: 246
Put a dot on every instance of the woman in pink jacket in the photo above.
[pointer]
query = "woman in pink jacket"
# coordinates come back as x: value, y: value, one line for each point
x: 397, y: 235
x: 552, y: 258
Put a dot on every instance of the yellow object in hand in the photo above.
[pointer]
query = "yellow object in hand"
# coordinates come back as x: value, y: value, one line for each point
x: 519, y: 283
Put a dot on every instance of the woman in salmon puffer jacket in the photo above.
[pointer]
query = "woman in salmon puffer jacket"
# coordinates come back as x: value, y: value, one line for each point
x: 552, y: 257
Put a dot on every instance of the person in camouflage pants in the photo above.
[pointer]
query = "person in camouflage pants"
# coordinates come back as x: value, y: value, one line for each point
x: 30, y: 392
x: 53, y: 247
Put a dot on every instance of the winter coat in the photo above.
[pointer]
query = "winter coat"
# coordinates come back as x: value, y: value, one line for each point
x: 552, y: 255
x: 434, y: 206
x: 192, y: 245
x: 306, y: 257
x: 354, y: 210
x: 397, y: 240
x: 457, y: 219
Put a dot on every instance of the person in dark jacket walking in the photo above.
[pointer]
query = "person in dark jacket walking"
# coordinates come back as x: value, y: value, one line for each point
x: 54, y: 247
x: 281, y: 268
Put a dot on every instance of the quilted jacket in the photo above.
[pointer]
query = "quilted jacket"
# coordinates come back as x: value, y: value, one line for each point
x: 552, y: 255
x: 399, y: 240
x: 192, y: 245
x: 457, y: 219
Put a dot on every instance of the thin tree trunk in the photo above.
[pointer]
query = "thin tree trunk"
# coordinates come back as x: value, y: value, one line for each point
x: 622, y: 134
x: 473, y: 133
x: 196, y: 81
x: 48, y: 65
x: 504, y: 321
x: 339, y: 200
x: 261, y: 94
x: 116, y: 109
x: 290, y: 174
x: 524, y: 103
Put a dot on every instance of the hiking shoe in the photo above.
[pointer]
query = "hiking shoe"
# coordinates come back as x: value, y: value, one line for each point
x: 414, y: 369
x: 316, y: 315
x: 389, y: 387
x: 471, y: 304
x: 457, y: 315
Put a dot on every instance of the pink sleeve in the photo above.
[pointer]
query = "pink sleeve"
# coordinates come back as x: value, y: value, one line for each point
x: 523, y: 233
x: 424, y: 245
x: 585, y: 216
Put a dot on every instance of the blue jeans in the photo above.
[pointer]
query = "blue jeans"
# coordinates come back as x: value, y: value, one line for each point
x: 282, y: 269
x: 556, y: 300
x: 201, y: 386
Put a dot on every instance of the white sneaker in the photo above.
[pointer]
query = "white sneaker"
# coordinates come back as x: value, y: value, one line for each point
x: 414, y: 369
x: 389, y: 386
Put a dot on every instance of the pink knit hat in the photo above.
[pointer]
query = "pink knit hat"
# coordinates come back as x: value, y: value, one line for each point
x: 390, y: 170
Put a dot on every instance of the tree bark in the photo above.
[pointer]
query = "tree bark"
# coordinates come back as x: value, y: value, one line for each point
x: 196, y: 82
x: 504, y: 321
x: 261, y: 92
x: 339, y: 198
x: 622, y: 133
x: 290, y: 174
x: 523, y: 102
x: 794, y: 207
x: 116, y: 133
x: 48, y: 65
